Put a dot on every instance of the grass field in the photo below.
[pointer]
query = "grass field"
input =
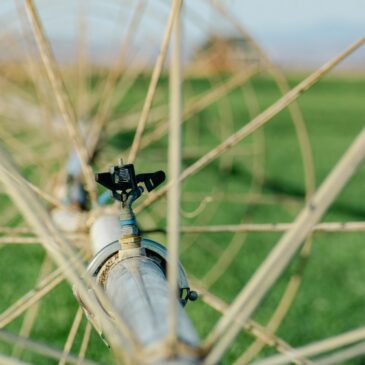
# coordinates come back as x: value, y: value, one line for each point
x: 332, y: 295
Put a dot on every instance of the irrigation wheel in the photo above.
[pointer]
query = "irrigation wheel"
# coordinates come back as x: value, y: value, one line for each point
x: 240, y: 178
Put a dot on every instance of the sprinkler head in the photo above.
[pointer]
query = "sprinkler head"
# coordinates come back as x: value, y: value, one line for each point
x: 122, y: 181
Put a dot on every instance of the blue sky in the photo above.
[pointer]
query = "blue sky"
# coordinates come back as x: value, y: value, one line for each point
x: 295, y: 33
x: 301, y: 32
x: 264, y: 14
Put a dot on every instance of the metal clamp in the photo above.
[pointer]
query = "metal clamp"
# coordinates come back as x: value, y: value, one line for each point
x: 154, y: 251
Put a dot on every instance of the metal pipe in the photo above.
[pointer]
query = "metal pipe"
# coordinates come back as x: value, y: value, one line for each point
x: 104, y: 230
x: 132, y: 271
x: 135, y: 283
x: 138, y: 290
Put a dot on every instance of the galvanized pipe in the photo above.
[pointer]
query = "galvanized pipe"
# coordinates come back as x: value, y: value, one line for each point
x: 136, y: 286
x: 134, y: 282
x: 105, y: 229
x: 138, y: 290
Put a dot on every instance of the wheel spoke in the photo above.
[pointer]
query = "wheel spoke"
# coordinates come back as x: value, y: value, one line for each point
x: 274, y: 227
x: 316, y: 348
x: 85, y: 342
x: 71, y: 336
x: 113, y: 76
x: 251, y: 326
x: 246, y: 302
x: 31, y: 313
x: 283, y: 85
x: 41, y: 348
x: 256, y: 123
x: 153, y: 85
x: 62, y: 252
x: 32, y: 297
x: 174, y: 167
x: 64, y: 104
x: 201, y: 102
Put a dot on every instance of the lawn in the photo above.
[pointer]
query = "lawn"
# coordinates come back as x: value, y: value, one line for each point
x: 267, y: 167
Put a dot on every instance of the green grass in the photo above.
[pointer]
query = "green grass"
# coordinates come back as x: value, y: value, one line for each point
x: 331, y: 297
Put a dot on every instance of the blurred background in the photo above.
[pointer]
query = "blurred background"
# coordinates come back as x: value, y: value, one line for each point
x: 295, y: 34
x: 238, y: 57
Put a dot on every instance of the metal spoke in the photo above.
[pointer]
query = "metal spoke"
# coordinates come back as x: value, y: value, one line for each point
x: 246, y: 302
x: 201, y: 102
x: 113, y: 75
x: 174, y: 167
x: 275, y: 227
x: 71, y: 336
x: 30, y: 298
x: 316, y: 348
x: 63, y: 253
x: 41, y: 348
x: 251, y: 326
x: 153, y: 84
x: 256, y: 123
x: 64, y: 104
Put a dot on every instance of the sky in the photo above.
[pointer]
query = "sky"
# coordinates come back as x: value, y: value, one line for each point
x: 295, y: 33
x: 301, y: 32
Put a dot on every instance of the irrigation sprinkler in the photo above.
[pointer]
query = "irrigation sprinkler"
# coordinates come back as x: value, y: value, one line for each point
x: 134, y: 292
x: 132, y: 271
